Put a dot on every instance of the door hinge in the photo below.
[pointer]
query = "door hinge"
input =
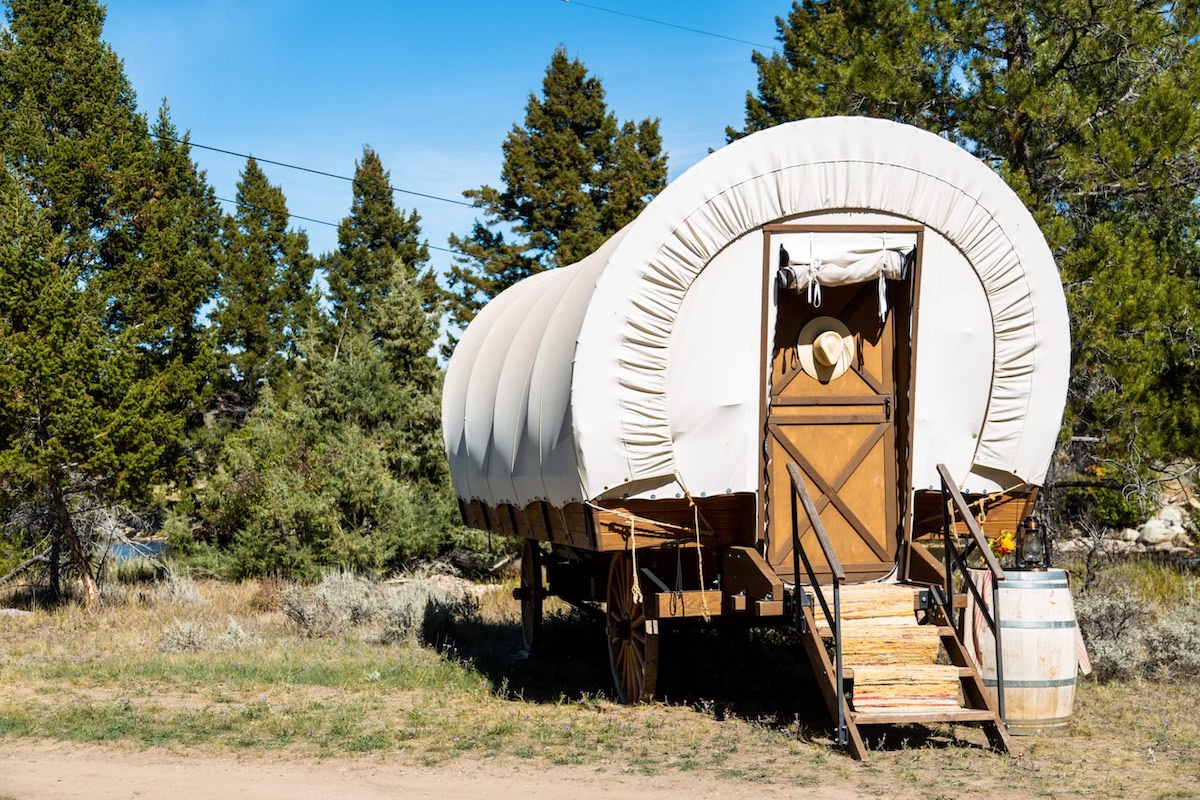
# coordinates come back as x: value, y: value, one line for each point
x: 887, y: 409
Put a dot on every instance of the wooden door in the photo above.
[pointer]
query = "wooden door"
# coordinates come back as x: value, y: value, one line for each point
x: 841, y: 433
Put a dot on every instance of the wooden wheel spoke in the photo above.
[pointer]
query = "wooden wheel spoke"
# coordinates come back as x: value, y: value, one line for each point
x: 632, y: 650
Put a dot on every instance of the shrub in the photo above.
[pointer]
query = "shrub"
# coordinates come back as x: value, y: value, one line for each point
x: 421, y: 610
x: 177, y: 590
x: 113, y: 593
x: 1173, y: 642
x: 234, y: 636
x: 350, y: 596
x: 1140, y: 622
x: 312, y: 618
x: 1111, y: 616
x: 339, y: 601
x: 1105, y: 506
x: 182, y: 636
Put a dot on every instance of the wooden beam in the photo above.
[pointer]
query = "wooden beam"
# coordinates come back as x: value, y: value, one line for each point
x: 679, y: 605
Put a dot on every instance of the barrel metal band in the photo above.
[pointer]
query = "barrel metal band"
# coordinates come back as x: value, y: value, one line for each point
x: 1030, y: 723
x: 1037, y: 625
x: 1031, y: 684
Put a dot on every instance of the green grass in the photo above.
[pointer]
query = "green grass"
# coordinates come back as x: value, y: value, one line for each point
x: 338, y: 664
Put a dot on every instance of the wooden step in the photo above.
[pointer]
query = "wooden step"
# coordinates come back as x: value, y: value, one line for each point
x: 874, y: 600
x: 963, y: 672
x: 891, y: 640
x: 887, y: 686
x: 921, y: 716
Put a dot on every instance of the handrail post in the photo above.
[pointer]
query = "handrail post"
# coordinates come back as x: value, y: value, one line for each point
x: 796, y: 596
x: 999, y: 652
x: 948, y: 557
x: 843, y: 737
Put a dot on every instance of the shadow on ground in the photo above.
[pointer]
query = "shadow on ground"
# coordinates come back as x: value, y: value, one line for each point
x: 759, y: 674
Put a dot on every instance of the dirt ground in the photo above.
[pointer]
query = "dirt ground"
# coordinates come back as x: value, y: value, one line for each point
x: 31, y: 770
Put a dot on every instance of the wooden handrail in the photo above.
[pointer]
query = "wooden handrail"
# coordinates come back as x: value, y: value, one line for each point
x: 835, y: 566
x: 985, y: 550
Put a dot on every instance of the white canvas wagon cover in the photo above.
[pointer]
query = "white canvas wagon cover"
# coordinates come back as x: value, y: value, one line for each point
x: 585, y: 381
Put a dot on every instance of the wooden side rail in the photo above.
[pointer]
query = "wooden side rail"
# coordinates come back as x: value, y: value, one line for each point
x: 958, y: 559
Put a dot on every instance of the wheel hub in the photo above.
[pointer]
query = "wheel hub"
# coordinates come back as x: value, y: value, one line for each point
x: 621, y: 629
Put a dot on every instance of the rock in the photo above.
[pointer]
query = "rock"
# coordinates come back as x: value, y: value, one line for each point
x: 1118, y: 547
x: 1183, y: 540
x: 1068, y: 546
x: 1155, y: 532
x: 1172, y: 517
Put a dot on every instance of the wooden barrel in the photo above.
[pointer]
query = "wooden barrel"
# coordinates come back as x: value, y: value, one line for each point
x: 1038, y: 632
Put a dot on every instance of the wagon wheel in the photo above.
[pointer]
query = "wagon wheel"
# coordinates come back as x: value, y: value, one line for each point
x: 531, y: 594
x: 632, y: 648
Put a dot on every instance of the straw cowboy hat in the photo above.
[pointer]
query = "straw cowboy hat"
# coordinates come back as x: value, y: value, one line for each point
x: 826, y: 348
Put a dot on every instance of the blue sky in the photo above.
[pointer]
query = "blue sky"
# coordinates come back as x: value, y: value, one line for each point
x: 433, y: 87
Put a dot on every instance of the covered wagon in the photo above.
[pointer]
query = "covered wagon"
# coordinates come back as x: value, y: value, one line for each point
x: 770, y: 386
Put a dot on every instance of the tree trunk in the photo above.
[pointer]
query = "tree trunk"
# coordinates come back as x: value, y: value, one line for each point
x: 55, y: 566
x: 66, y: 530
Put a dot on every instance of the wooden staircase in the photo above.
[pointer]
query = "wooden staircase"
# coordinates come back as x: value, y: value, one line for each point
x: 890, y: 668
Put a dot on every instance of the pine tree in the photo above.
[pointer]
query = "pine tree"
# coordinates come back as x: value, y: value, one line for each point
x: 106, y: 261
x: 572, y: 177
x: 264, y: 299
x: 69, y: 121
x: 180, y: 226
x: 371, y: 240
x: 1087, y: 109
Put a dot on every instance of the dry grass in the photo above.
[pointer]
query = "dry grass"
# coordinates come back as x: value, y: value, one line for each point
x: 67, y: 676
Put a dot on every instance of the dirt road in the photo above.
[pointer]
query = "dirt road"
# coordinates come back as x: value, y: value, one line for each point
x: 66, y: 771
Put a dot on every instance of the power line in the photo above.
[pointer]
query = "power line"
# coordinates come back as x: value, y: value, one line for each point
x: 335, y: 225
x: 191, y: 143
x: 671, y: 25
x: 293, y: 216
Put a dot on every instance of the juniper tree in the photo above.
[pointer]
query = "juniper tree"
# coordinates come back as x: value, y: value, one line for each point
x: 572, y: 176
x: 105, y: 264
x: 1087, y: 108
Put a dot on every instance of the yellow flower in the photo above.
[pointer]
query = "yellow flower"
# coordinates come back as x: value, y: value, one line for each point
x: 1003, y: 544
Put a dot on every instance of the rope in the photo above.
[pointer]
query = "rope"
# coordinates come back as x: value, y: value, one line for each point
x: 981, y: 504
x: 636, y: 589
x: 704, y: 610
